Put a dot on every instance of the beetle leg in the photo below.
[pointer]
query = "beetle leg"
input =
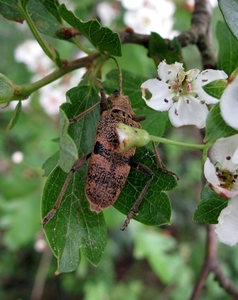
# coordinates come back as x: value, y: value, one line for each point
x: 138, y: 118
x: 80, y: 116
x: 144, y: 169
x: 159, y: 163
x: 78, y: 164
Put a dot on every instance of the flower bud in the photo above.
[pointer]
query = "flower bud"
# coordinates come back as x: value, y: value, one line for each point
x: 130, y: 137
x: 7, y: 89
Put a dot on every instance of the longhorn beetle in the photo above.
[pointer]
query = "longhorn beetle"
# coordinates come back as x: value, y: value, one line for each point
x: 108, y: 170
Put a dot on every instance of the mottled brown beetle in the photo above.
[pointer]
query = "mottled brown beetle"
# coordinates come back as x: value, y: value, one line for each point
x: 108, y: 170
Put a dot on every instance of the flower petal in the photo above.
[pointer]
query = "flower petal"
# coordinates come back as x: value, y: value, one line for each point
x: 225, y: 192
x: 192, y: 113
x: 206, y: 77
x: 210, y: 173
x: 192, y: 74
x: 161, y: 94
x: 227, y: 227
x: 169, y: 72
x: 229, y: 104
x: 225, y: 152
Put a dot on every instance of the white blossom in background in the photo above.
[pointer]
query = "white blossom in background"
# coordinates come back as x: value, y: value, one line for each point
x: 17, y: 157
x: 107, y: 13
x: 181, y: 93
x: 145, y: 16
x: 52, y: 95
x: 229, y: 103
x: 222, y: 174
x: 31, y: 54
x: 227, y: 227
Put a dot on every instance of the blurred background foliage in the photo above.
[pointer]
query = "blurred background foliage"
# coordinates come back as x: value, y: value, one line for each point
x: 140, y: 263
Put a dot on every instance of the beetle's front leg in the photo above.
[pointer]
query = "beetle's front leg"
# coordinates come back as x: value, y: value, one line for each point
x: 160, y: 165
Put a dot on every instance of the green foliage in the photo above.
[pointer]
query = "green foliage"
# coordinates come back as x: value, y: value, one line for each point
x: 103, y: 38
x: 210, y: 207
x: 160, y: 49
x: 227, y: 56
x: 143, y: 261
x: 15, y: 116
x: 216, y: 127
x: 229, y: 10
x: 215, y: 88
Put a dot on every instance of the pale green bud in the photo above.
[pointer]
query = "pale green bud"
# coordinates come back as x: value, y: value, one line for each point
x: 7, y: 89
x: 130, y: 137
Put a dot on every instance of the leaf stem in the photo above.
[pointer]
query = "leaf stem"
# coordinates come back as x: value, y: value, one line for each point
x: 24, y: 91
x: 36, y: 34
x: 82, y: 47
x: 154, y: 138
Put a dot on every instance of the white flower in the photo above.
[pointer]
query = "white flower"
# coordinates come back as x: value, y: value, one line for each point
x: 33, y: 56
x: 181, y: 93
x: 107, y: 13
x: 223, y: 175
x: 145, y: 16
x: 227, y: 227
x: 229, y: 104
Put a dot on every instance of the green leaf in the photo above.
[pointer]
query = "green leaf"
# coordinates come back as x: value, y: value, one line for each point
x: 50, y: 163
x: 229, y: 9
x: 157, y: 247
x: 10, y: 9
x: 68, y: 148
x: 210, y: 207
x: 103, y: 38
x: 160, y: 49
x: 74, y: 227
x: 44, y: 14
x: 215, y: 88
x: 227, y: 56
x: 15, y: 116
x: 46, y: 17
x: 75, y: 138
x: 216, y: 126
x: 155, y: 208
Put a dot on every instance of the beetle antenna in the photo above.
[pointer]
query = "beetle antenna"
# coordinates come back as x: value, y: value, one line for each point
x: 119, y: 73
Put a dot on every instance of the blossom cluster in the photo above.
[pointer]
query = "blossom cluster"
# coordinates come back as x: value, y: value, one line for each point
x: 181, y: 93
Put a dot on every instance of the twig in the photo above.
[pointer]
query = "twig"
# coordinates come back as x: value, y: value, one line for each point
x: 129, y: 36
x: 211, y: 265
x: 200, y: 33
x: 225, y: 283
x: 209, y: 262
x: 41, y: 275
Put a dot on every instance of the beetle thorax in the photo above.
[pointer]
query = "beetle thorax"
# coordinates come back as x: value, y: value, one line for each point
x: 120, y: 103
